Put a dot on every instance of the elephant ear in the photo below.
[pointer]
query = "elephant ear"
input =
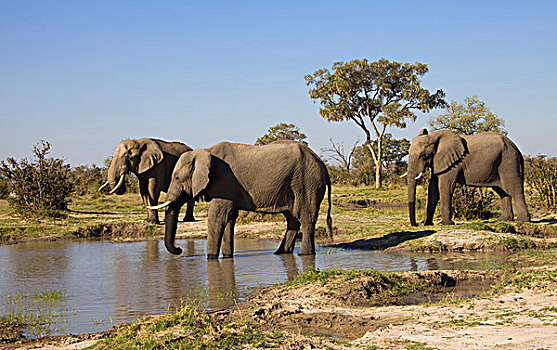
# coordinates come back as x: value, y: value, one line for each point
x: 450, y: 149
x: 151, y: 155
x: 202, y: 160
x: 423, y: 132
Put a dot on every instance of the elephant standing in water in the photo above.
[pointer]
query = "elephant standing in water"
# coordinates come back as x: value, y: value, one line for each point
x: 152, y: 161
x: 282, y: 177
x: 484, y: 160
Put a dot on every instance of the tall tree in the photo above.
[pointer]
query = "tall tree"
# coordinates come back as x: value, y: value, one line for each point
x: 374, y: 95
x: 469, y: 118
x: 282, y: 131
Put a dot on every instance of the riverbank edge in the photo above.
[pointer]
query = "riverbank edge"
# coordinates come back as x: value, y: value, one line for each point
x: 468, y: 237
x: 302, y: 310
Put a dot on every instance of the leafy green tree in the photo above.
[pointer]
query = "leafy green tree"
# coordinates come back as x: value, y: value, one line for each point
x: 282, y: 131
x: 42, y: 186
x: 469, y: 118
x: 373, y: 95
x: 394, y: 151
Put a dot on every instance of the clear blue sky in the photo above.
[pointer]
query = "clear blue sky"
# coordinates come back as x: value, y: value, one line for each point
x: 86, y: 74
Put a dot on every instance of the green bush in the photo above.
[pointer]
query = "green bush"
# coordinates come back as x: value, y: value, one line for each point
x: 473, y: 203
x: 42, y: 186
x: 87, y: 179
x: 541, y: 174
x: 4, y: 189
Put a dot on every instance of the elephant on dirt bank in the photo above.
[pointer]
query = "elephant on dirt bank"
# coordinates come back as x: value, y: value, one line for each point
x: 152, y: 161
x: 484, y: 160
x: 282, y: 177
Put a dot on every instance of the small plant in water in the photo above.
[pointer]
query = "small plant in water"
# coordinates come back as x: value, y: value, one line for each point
x: 39, y: 314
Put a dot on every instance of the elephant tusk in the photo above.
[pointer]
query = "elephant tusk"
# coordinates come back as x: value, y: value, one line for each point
x: 103, y: 186
x: 403, y: 175
x: 419, y: 175
x: 120, y: 182
x: 160, y: 206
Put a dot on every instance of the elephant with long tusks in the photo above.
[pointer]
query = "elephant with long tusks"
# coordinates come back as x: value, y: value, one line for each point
x: 152, y: 161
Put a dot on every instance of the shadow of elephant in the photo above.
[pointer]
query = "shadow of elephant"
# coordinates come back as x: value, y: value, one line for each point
x: 381, y: 243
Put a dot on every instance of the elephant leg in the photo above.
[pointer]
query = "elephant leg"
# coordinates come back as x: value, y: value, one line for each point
x: 218, y: 217
x: 144, y: 190
x: 289, y: 240
x: 153, y: 193
x: 446, y: 188
x: 522, y: 213
x: 228, y: 236
x: 432, y: 199
x: 308, y: 237
x: 189, y: 211
x: 506, y: 204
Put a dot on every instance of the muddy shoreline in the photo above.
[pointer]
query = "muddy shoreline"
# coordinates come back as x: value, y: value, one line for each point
x: 353, y: 311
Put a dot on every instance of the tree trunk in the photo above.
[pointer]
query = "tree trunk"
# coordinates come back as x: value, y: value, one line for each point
x: 378, y: 174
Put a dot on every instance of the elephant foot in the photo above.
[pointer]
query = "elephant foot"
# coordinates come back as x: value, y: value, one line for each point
x: 524, y: 219
x: 152, y: 221
x: 227, y: 256
x: 505, y: 218
x: 189, y: 219
x: 212, y: 256
x: 306, y: 253
x: 428, y: 223
x: 447, y: 222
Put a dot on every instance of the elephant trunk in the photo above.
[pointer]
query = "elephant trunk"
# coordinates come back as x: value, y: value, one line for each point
x: 176, y: 200
x: 412, y: 199
x: 171, y: 225
x: 116, y: 175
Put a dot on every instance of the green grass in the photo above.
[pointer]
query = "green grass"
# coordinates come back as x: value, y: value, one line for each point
x: 529, y: 279
x: 188, y: 328
x: 381, y: 287
x: 39, y: 314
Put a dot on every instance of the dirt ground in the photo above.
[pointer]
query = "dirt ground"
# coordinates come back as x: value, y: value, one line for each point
x: 525, y: 319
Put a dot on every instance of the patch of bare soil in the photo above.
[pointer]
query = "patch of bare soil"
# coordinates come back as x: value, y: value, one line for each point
x: 517, y: 320
x: 340, y: 308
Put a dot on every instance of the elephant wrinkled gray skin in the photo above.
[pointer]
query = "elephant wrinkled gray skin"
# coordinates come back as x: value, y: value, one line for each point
x: 484, y: 160
x: 152, y: 161
x: 282, y: 177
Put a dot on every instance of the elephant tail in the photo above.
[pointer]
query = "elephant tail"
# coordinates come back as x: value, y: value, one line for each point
x: 329, y: 218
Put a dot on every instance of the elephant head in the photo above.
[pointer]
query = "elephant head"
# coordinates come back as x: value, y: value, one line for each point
x: 440, y: 151
x: 189, y: 178
x: 136, y: 156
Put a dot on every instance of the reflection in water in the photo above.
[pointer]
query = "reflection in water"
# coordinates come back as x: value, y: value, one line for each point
x: 290, y: 266
x: 221, y: 283
x: 106, y: 282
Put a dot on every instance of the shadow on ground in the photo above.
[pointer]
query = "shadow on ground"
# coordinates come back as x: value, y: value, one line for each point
x: 387, y: 241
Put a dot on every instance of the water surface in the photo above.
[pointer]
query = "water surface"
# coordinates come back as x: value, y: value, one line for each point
x: 109, y: 283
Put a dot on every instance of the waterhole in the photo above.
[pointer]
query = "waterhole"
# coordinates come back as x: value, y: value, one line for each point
x: 98, y: 284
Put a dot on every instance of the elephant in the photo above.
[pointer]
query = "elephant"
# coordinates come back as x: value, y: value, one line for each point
x: 282, y: 177
x: 487, y: 159
x: 152, y: 161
